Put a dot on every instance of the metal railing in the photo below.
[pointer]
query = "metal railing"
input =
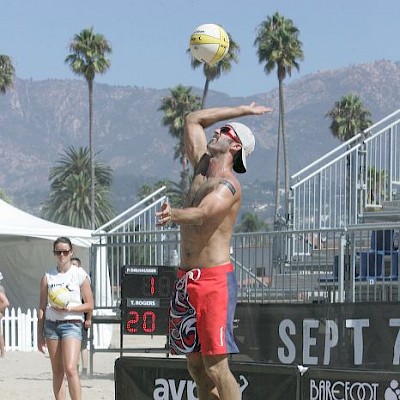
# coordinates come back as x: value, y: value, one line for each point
x: 356, y: 264
x: 327, y: 265
x: 357, y: 176
x: 131, y: 238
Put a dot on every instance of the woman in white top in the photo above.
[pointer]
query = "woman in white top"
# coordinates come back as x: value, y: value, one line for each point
x: 65, y: 295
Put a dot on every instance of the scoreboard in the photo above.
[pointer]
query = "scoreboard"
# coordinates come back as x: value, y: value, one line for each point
x: 145, y: 297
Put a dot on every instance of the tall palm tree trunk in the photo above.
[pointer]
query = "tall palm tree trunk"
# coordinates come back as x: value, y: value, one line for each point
x: 285, y: 157
x: 91, y: 155
x: 277, y: 176
x: 205, y: 92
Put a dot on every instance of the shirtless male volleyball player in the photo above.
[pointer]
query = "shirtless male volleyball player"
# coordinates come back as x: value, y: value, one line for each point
x: 204, y: 300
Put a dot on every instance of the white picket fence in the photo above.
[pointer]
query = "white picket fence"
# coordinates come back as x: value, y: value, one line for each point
x: 20, y: 330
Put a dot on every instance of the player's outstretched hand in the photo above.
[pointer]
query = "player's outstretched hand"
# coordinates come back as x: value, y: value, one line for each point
x: 255, y: 109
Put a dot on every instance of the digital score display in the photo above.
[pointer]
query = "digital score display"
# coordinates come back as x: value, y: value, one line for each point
x: 146, y: 292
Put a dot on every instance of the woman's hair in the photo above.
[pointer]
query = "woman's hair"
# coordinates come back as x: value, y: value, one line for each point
x: 62, y: 239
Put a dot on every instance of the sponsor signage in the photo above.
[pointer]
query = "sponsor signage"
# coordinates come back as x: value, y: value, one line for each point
x: 357, y: 335
x: 350, y: 385
x: 167, y: 379
x: 151, y: 378
x: 302, y: 352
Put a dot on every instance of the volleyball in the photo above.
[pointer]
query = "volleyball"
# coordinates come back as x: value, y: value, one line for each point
x: 209, y: 43
x: 59, y: 297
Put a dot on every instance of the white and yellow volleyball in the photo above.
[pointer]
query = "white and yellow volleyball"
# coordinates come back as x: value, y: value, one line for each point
x: 59, y: 297
x: 209, y: 43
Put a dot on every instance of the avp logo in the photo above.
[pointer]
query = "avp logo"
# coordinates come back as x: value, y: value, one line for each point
x: 167, y: 389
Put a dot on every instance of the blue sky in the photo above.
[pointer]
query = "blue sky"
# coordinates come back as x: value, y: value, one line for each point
x: 150, y: 37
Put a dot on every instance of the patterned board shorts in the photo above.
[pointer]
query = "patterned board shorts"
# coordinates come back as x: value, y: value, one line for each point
x: 202, y: 310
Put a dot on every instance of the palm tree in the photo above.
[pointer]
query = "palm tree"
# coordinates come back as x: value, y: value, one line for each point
x: 69, y: 200
x: 251, y: 223
x: 7, y: 73
x: 214, y: 71
x: 88, y: 58
x: 181, y: 102
x: 349, y: 117
x: 278, y: 45
x: 173, y: 190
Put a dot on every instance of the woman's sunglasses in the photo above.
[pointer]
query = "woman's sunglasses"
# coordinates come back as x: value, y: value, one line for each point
x: 61, y: 252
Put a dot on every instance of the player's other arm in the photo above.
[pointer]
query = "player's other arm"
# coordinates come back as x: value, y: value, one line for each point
x: 213, y: 207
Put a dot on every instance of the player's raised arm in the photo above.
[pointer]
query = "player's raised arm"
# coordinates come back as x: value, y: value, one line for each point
x: 197, y: 121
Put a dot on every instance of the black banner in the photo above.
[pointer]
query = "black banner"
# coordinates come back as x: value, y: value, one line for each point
x: 167, y: 379
x: 296, y: 352
x: 364, y: 336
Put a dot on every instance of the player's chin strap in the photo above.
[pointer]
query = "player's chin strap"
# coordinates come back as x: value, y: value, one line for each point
x: 193, y: 274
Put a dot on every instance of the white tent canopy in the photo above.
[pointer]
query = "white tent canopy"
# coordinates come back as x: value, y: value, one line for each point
x: 14, y: 222
x: 26, y: 253
x: 26, y: 245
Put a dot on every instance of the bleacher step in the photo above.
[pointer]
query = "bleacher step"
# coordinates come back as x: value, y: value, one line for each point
x: 390, y: 212
x: 391, y: 205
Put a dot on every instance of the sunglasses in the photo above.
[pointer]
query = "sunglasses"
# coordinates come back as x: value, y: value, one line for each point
x: 227, y: 130
x: 61, y: 252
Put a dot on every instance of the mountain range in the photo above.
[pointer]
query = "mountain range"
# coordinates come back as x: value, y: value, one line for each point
x: 39, y: 120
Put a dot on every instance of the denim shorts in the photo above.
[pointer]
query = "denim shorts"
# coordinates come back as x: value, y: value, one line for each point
x: 62, y: 330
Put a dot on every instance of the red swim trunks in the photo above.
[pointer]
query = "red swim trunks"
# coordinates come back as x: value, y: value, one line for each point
x: 202, y: 310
